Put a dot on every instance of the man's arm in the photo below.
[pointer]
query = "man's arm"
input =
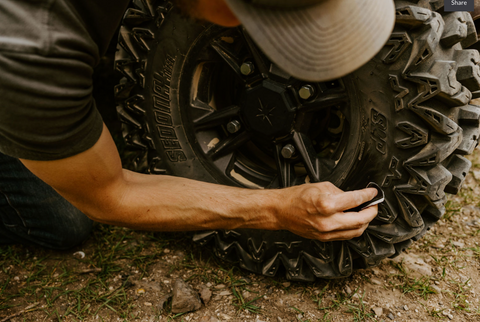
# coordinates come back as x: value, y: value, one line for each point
x: 95, y: 182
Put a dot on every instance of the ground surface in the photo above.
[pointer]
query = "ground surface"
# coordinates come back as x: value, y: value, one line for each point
x: 127, y: 275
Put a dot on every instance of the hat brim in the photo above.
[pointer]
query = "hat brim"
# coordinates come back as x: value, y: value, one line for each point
x: 320, y: 42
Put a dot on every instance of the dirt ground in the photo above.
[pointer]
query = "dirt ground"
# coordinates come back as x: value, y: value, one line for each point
x: 122, y: 275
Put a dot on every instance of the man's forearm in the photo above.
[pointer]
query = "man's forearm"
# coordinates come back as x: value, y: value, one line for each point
x: 169, y: 203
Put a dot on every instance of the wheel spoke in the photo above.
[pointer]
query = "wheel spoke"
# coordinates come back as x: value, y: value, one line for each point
x: 260, y: 62
x: 307, y: 152
x: 284, y: 168
x: 216, y: 118
x: 324, y: 101
x: 229, y: 144
x: 228, y: 57
x: 225, y: 163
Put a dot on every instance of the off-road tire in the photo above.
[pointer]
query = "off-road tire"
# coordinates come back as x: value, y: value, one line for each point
x: 415, y: 124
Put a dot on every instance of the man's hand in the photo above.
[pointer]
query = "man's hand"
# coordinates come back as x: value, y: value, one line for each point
x: 317, y: 211
x: 95, y: 183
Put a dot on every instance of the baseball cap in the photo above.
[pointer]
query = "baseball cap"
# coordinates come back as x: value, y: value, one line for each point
x: 317, y: 40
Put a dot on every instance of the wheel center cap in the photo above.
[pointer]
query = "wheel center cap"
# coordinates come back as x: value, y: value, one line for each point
x: 267, y: 110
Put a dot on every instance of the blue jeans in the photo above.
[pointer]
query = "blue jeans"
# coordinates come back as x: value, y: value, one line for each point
x: 31, y: 212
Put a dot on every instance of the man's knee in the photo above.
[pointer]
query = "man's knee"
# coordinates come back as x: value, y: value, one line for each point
x: 75, y: 230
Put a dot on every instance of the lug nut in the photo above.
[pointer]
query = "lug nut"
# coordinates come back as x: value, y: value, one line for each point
x: 306, y: 92
x: 233, y: 126
x: 247, y: 68
x: 288, y: 151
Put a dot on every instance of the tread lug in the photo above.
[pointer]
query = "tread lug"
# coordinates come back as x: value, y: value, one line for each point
x: 395, y: 232
x: 412, y: 16
x: 468, y: 72
x: 458, y: 167
x: 469, y: 115
x: 469, y: 142
x: 429, y: 183
x: 456, y: 28
x: 437, y: 150
x: 418, y: 136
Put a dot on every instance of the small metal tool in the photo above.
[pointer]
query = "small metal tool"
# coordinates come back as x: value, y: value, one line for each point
x: 379, y: 198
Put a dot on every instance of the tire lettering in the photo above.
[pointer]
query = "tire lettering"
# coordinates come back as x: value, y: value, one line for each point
x: 176, y: 156
x: 161, y: 104
x: 163, y: 118
x: 166, y: 132
x: 171, y: 144
x: 379, y: 131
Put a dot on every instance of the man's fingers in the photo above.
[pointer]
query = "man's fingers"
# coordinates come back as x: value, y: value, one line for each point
x: 351, y: 199
x: 342, y: 234
x: 349, y: 220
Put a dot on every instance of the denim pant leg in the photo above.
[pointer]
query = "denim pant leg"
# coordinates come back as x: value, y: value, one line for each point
x: 31, y: 212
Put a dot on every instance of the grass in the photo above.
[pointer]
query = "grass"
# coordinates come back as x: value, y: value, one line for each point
x: 51, y: 278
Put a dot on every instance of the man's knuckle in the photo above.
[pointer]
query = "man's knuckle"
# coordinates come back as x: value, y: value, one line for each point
x: 327, y: 206
x: 324, y: 238
x: 324, y: 227
x: 359, y: 232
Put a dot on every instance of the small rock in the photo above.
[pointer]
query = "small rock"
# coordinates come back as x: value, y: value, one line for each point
x: 436, y: 289
x: 376, y: 271
x: 405, y: 308
x: 180, y: 255
x: 286, y: 284
x: 185, y: 299
x: 376, y: 281
x: 279, y: 319
x: 205, y: 294
x: 224, y: 316
x: 219, y: 286
x: 378, y: 311
x: 476, y: 174
x: 225, y: 293
x: 246, y: 279
x: 166, y: 250
x: 414, y: 264
x: 459, y: 244
x: 147, y: 304
x: 474, y: 222
x: 391, y: 316
x: 348, y: 290
x: 450, y: 316
x: 79, y: 254
x: 300, y: 317
x: 471, y: 210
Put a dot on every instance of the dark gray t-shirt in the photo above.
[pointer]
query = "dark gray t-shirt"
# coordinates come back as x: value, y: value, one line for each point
x: 48, y: 49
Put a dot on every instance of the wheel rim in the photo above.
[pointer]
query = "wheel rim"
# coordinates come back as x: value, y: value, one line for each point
x: 252, y: 125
